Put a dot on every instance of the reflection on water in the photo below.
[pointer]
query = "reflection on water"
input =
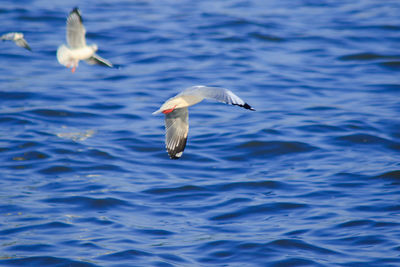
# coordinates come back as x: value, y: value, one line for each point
x: 77, y: 136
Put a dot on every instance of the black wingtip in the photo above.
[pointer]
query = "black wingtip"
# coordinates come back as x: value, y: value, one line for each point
x: 247, y: 106
x: 76, y: 11
x: 177, y: 152
x: 174, y: 155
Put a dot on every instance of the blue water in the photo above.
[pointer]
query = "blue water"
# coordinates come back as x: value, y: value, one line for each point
x: 311, y: 178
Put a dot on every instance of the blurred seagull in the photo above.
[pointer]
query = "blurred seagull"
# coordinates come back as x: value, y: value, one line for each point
x: 176, y: 113
x: 17, y: 37
x: 78, y: 50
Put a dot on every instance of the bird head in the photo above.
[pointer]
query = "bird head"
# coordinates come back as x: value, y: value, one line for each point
x: 94, y: 47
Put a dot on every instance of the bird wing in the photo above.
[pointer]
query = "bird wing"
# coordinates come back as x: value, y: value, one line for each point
x: 219, y: 94
x: 23, y: 43
x: 75, y: 30
x: 195, y: 94
x: 96, y: 59
x: 8, y: 36
x: 176, y: 132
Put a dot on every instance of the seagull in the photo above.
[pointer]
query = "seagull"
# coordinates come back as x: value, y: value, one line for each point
x: 176, y: 113
x: 77, y: 49
x: 17, y: 37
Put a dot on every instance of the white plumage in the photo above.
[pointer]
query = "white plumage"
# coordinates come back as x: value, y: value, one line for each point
x: 18, y: 39
x: 77, y: 48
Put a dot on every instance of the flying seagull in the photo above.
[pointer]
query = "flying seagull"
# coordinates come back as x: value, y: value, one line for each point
x: 176, y: 113
x: 77, y: 48
x: 17, y: 37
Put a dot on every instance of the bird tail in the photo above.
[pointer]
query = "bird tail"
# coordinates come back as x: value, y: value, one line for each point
x: 64, y: 56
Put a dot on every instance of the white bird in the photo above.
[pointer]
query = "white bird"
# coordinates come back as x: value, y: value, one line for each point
x: 78, y: 50
x: 17, y: 37
x: 176, y: 113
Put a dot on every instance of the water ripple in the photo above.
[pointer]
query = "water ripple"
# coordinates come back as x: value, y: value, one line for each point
x: 89, y: 203
x: 309, y: 179
x: 274, y: 148
x: 45, y: 227
x: 259, y: 210
x: 46, y: 261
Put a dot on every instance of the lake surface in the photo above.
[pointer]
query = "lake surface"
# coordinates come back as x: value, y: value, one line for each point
x: 311, y: 178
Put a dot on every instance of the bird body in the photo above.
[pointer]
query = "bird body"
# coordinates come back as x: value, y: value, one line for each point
x: 177, y: 115
x: 84, y: 53
x: 179, y: 101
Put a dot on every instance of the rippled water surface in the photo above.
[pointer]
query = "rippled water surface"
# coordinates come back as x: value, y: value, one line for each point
x: 311, y: 178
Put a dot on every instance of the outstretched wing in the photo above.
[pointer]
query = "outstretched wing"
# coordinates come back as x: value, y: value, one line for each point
x: 8, y: 36
x: 176, y: 132
x: 96, y: 59
x: 75, y: 30
x: 219, y: 94
x: 23, y: 43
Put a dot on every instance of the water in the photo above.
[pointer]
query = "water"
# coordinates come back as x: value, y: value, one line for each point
x: 312, y: 178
